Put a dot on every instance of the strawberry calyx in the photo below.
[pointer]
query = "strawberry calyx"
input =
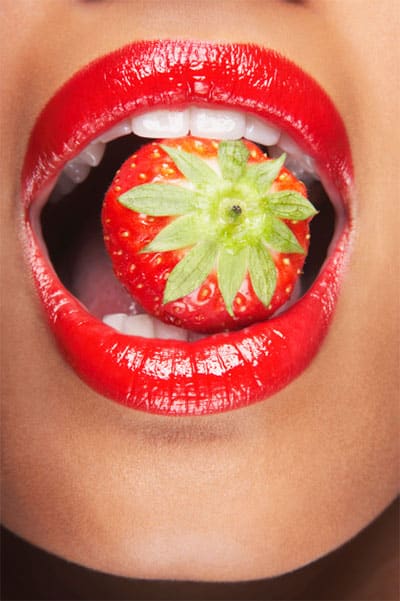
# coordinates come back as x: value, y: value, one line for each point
x: 227, y: 215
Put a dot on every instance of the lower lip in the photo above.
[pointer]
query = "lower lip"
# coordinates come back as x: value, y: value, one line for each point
x: 219, y: 373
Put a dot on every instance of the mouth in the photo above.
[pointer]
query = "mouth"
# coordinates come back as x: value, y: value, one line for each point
x: 167, y: 89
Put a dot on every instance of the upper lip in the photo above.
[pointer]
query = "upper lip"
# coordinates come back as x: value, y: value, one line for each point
x: 221, y: 372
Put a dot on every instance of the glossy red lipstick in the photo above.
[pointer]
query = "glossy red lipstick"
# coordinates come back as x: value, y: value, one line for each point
x: 224, y: 371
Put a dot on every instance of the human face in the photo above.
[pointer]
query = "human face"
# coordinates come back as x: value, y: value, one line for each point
x: 247, y: 493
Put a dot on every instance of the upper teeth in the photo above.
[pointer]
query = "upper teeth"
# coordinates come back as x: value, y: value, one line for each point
x: 204, y: 122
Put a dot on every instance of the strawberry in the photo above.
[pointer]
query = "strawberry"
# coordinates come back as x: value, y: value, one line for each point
x: 205, y: 234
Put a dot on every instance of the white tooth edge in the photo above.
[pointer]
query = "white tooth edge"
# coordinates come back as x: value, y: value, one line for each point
x: 139, y: 325
x: 224, y: 124
x: 92, y: 154
x: 169, y: 332
x: 123, y: 128
x: 64, y: 186
x: 115, y: 320
x: 260, y: 132
x: 133, y: 325
x: 162, y: 123
x: 295, y: 163
x: 204, y: 122
x: 148, y: 327
x: 76, y: 170
x: 288, y: 145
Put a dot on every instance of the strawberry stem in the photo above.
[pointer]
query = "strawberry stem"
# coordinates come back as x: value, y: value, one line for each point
x: 236, y: 210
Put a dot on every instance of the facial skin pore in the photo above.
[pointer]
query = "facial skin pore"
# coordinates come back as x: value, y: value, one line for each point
x: 242, y: 495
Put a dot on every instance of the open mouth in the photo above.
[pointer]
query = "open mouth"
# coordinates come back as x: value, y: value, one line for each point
x: 165, y: 89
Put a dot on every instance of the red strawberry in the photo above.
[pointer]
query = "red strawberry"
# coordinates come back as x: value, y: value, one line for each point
x: 205, y: 234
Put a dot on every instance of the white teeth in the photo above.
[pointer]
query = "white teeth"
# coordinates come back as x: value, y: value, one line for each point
x: 208, y: 123
x: 260, y: 132
x: 162, y: 123
x: 76, y: 170
x: 217, y: 123
x: 203, y: 122
x: 139, y: 325
x: 115, y: 320
x: 165, y: 331
x: 148, y: 327
x: 288, y: 145
x: 65, y: 185
x: 117, y: 131
x: 92, y: 154
x: 296, y: 155
x: 133, y: 325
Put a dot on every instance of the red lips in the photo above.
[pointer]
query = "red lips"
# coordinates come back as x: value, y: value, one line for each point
x: 225, y: 371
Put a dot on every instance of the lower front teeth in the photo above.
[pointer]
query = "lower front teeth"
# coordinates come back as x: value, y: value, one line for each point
x: 146, y: 326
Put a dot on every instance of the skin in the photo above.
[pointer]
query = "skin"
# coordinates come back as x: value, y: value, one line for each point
x: 243, y: 495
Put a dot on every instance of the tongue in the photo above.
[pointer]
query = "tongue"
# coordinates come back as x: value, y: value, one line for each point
x: 93, y: 281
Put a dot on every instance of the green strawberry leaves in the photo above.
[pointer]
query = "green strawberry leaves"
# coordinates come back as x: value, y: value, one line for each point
x: 232, y: 268
x: 159, y: 200
x: 263, y: 274
x: 227, y: 216
x: 180, y: 233
x: 264, y: 174
x: 232, y: 159
x: 289, y: 204
x: 191, y: 166
x: 281, y: 238
x: 191, y: 272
